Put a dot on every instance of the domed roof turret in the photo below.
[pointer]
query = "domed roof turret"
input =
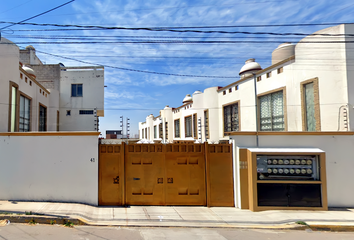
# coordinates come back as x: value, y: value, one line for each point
x: 30, y: 47
x: 250, y: 67
x: 187, y: 99
x: 30, y: 71
x: 197, y: 92
x: 282, y: 52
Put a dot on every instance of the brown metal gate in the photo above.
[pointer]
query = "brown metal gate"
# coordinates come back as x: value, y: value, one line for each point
x: 111, y: 175
x: 171, y: 174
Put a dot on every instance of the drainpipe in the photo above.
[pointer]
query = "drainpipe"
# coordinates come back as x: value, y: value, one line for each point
x: 256, y: 103
x: 163, y: 130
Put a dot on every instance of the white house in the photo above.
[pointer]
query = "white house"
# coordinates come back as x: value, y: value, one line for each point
x: 308, y: 87
x: 39, y: 97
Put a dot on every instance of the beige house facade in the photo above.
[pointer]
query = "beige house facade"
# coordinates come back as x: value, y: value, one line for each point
x: 39, y: 97
x: 308, y: 87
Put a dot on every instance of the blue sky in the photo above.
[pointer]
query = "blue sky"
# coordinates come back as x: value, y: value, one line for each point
x: 136, y: 95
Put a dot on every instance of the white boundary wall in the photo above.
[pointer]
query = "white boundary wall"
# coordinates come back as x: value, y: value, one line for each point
x: 49, y: 168
x: 339, y: 151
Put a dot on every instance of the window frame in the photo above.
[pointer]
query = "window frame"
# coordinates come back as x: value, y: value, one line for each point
x: 316, y: 104
x: 191, y: 126
x: 160, y: 131
x: 206, y: 123
x: 283, y: 89
x: 16, y: 107
x: 239, y: 115
x: 85, y: 112
x: 30, y: 111
x: 76, y: 89
x: 177, y: 131
x: 45, y: 117
x: 195, y: 126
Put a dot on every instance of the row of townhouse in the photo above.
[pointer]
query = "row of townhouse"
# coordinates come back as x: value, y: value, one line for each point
x: 47, y: 97
x: 308, y: 87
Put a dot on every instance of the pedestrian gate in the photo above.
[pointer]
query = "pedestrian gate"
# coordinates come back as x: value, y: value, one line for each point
x: 165, y: 174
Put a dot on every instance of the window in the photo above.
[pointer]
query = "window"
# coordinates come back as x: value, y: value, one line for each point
x: 142, y: 133
x: 195, y: 126
x: 155, y: 131
x: 76, y: 90
x: 280, y: 70
x: 224, y: 92
x: 146, y: 135
x: 230, y: 90
x: 188, y: 126
x: 160, y: 131
x: 177, y: 129
x: 30, y: 83
x: 259, y: 78
x: 272, y: 112
x: 86, y: 112
x: 21, y: 75
x: 25, y: 110
x: 236, y: 87
x: 231, y: 118
x: 310, y: 105
x: 57, y: 121
x: 68, y: 112
x: 14, y: 107
x: 166, y: 130
x: 42, y: 118
x: 206, y: 123
x: 269, y: 74
x: 310, y: 122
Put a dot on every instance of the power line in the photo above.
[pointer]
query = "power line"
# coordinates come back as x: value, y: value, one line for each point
x: 187, y: 29
x: 170, y: 42
x: 22, y: 22
x: 136, y: 70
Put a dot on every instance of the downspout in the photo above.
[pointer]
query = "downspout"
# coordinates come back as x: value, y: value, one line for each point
x: 256, y: 103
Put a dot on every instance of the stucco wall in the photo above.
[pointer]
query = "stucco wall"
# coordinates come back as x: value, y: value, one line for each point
x: 93, y: 97
x: 49, y: 168
x: 339, y: 164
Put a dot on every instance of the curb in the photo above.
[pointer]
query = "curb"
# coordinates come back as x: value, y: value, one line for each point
x: 331, y: 228
x: 52, y: 220
x: 34, y: 219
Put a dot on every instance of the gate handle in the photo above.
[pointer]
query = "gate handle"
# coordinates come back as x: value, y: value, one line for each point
x: 116, y: 180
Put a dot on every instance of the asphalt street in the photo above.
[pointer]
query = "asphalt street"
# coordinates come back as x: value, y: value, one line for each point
x: 56, y: 232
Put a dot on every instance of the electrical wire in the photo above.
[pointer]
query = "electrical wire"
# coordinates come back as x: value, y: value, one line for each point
x: 170, y: 42
x: 137, y: 70
x: 185, y: 29
x: 22, y: 22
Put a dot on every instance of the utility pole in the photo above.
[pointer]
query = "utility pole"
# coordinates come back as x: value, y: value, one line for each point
x: 127, y: 126
x: 95, y: 119
x: 121, y: 122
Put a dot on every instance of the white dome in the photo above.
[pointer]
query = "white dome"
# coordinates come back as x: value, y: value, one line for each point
x: 187, y: 98
x: 282, y: 52
x: 197, y: 92
x: 251, y: 66
x: 30, y: 47
x: 30, y: 71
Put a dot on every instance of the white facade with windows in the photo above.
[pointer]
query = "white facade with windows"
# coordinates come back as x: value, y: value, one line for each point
x: 308, y: 87
x: 37, y: 97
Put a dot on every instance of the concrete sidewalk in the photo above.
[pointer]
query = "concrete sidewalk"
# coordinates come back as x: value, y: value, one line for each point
x: 179, y: 216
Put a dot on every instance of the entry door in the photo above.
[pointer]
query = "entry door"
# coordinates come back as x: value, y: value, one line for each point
x: 111, y: 175
x: 185, y: 174
x: 145, y: 174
